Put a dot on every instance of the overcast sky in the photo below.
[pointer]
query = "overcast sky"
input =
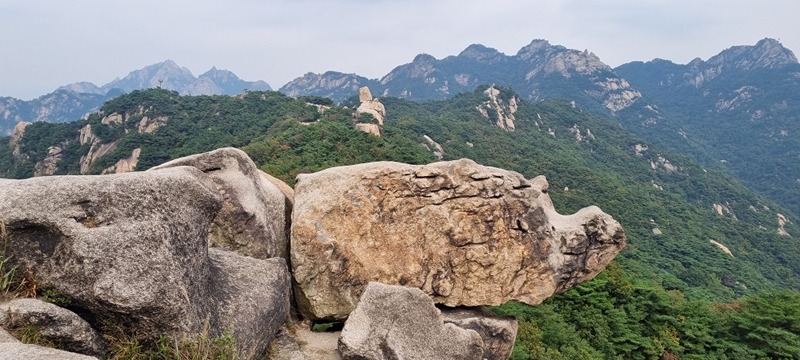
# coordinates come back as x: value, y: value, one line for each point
x: 45, y: 44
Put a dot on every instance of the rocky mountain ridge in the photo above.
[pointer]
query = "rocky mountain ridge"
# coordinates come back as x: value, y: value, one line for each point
x: 671, y: 206
x: 539, y: 70
x: 738, y: 110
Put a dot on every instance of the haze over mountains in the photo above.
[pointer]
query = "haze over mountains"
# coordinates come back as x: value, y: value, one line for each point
x: 737, y: 110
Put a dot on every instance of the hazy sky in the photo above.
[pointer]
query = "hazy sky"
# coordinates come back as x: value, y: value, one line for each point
x: 45, y: 44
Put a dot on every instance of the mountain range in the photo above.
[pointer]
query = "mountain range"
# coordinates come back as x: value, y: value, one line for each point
x: 73, y: 101
x: 709, y: 264
x: 737, y: 110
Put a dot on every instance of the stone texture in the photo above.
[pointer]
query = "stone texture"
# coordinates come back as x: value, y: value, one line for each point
x: 6, y: 337
x: 131, y: 251
x: 372, y: 129
x: 250, y: 299
x: 497, y: 332
x: 132, y: 244
x: 58, y: 325
x: 285, y: 347
x: 49, y: 164
x: 125, y: 165
x: 370, y: 106
x: 253, y: 218
x: 20, y: 351
x: 396, y: 322
x: 467, y: 235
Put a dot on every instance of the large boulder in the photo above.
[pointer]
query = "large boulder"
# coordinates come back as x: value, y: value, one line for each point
x: 253, y: 218
x: 250, y: 299
x: 131, y: 244
x: 131, y: 252
x: 466, y: 234
x: 396, y: 322
x: 497, y: 332
x: 62, y: 327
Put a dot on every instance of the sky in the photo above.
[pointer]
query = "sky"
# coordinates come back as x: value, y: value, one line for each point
x: 48, y: 43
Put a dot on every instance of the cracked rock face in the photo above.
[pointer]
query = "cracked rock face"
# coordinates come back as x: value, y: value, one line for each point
x: 465, y: 234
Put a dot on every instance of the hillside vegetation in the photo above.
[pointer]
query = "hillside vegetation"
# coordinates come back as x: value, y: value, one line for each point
x: 672, y: 294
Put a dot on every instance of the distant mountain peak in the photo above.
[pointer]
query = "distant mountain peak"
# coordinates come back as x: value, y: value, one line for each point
x: 480, y: 53
x: 423, y: 59
x: 765, y: 54
x: 536, y: 46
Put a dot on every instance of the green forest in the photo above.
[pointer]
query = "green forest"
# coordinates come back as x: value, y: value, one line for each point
x: 671, y: 294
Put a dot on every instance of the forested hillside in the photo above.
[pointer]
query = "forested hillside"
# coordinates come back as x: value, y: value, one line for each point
x: 706, y: 273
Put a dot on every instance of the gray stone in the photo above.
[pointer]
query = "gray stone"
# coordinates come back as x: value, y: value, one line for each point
x: 6, y: 337
x: 396, y: 322
x: 285, y: 347
x: 128, y: 248
x: 253, y: 218
x: 497, y: 332
x: 251, y: 299
x: 20, y: 351
x: 62, y: 327
x: 466, y: 234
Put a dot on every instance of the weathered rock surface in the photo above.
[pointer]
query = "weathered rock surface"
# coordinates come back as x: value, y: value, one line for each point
x: 130, y: 244
x: 497, y: 110
x: 132, y: 250
x: 250, y: 298
x: 20, y: 351
x: 253, y: 218
x: 463, y: 233
x: 6, y: 337
x: 370, y: 105
x: 497, y: 332
x: 58, y: 325
x: 286, y: 347
x: 396, y: 322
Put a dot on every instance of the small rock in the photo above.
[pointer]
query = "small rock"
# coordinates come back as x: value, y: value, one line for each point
x: 65, y: 329
x: 396, y: 322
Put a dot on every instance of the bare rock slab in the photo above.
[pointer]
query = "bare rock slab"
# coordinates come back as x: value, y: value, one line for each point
x: 497, y: 332
x: 396, y: 322
x: 20, y: 351
x: 132, y: 244
x: 62, y: 327
x: 253, y: 219
x: 465, y: 234
x: 250, y: 298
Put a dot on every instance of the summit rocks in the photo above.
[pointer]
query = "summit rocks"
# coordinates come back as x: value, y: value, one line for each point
x: 463, y: 233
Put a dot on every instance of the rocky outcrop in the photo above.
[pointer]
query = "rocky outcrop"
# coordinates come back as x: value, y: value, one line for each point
x: 372, y: 129
x: 125, y: 165
x: 782, y: 225
x: 497, y: 110
x: 250, y: 299
x: 497, y: 332
x: 370, y: 106
x: 20, y: 351
x: 148, y: 125
x: 16, y: 136
x: 463, y: 233
x: 722, y: 247
x: 62, y: 327
x: 395, y: 322
x: 131, y: 252
x: 437, y: 149
x: 49, y: 164
x: 253, y: 218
